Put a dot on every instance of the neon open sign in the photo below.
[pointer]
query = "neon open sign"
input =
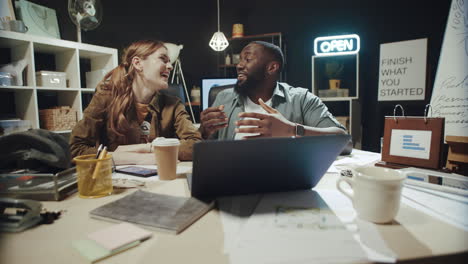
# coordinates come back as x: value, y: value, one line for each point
x: 337, y: 45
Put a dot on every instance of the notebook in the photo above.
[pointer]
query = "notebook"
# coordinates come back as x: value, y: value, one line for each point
x: 154, y: 211
x: 110, y: 240
x: 236, y: 167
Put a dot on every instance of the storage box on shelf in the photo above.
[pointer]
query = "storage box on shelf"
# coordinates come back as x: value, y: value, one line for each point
x: 51, y: 79
x: 44, y: 55
x: 58, y: 118
x: 344, y: 101
x: 9, y: 126
x: 6, y: 79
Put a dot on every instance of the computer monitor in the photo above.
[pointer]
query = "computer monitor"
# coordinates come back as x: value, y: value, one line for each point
x: 208, y: 83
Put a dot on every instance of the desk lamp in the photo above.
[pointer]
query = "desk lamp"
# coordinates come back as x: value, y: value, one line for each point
x: 174, y: 51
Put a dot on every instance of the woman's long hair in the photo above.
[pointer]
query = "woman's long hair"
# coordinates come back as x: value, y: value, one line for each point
x: 120, y: 81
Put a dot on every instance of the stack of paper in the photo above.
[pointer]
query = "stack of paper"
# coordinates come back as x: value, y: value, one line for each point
x: 294, y: 227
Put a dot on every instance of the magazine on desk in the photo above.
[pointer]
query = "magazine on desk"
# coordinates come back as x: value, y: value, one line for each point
x: 154, y: 211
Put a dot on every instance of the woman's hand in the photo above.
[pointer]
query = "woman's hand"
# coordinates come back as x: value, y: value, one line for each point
x: 138, y: 154
x: 133, y: 158
x: 139, y: 148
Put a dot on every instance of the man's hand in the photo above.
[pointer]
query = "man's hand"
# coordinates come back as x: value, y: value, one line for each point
x: 212, y: 119
x: 273, y: 124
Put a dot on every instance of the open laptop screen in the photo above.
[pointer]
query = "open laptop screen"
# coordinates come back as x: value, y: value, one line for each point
x: 236, y: 167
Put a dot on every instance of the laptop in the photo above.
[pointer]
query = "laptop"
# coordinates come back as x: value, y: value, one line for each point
x: 236, y: 167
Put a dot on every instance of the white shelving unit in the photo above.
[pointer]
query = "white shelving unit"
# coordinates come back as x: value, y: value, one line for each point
x: 341, y: 106
x: 68, y: 57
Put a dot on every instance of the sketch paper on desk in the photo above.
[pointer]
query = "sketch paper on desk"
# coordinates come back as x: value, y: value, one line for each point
x: 357, y: 158
x: 234, y: 212
x: 449, y: 208
x: 364, y: 232
x: 154, y: 211
x: 450, y: 93
x: 293, y: 227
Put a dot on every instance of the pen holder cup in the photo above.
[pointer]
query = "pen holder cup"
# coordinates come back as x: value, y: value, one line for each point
x: 94, y: 176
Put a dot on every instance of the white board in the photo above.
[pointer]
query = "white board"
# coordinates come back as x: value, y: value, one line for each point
x: 402, y: 70
x: 450, y: 93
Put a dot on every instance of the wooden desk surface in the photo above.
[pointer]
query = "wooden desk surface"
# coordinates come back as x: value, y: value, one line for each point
x: 412, y: 236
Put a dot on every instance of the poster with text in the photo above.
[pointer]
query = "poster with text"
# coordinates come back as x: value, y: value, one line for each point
x: 450, y: 94
x: 402, y: 70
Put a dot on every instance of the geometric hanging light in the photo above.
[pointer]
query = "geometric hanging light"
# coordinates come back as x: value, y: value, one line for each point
x: 219, y: 42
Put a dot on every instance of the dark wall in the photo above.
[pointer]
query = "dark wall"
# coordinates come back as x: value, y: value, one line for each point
x: 192, y: 23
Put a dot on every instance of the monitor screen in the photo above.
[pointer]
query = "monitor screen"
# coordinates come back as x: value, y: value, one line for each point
x: 208, y: 83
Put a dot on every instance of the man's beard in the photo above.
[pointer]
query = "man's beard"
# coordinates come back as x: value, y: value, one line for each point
x: 250, y: 84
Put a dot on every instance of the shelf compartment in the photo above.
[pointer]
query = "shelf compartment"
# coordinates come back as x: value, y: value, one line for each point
x: 93, y: 61
x: 20, y: 103
x: 50, y: 98
x: 56, y: 58
x: 14, y: 50
x: 86, y: 99
x: 349, y: 79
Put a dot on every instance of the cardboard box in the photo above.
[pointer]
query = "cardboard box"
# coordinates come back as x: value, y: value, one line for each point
x: 51, y: 79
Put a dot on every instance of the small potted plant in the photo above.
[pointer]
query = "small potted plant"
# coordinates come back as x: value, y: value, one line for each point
x: 334, y: 72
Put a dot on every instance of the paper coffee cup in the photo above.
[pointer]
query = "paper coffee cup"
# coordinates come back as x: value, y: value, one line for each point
x: 166, y: 151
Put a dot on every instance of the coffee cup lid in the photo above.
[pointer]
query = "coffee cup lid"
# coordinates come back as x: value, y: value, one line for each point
x: 162, y: 141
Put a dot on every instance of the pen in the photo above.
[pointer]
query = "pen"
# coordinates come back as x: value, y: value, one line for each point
x: 102, y: 155
x: 99, y: 151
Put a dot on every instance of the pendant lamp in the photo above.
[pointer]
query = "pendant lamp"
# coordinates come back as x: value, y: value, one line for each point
x: 218, y: 42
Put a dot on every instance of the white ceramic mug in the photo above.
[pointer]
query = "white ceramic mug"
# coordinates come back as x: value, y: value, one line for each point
x: 376, y: 192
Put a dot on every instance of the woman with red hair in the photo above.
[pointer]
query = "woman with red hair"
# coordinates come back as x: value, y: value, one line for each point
x: 128, y: 109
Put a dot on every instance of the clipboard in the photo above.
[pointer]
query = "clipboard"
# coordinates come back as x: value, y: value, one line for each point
x: 413, y: 140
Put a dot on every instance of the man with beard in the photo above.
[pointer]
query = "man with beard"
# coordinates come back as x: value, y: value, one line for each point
x: 260, y: 106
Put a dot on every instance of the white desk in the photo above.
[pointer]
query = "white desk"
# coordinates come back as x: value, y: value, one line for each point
x: 413, y: 236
